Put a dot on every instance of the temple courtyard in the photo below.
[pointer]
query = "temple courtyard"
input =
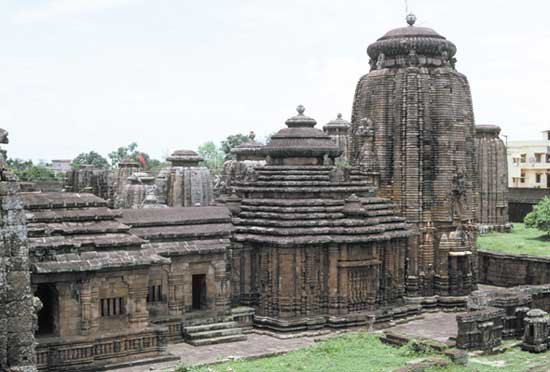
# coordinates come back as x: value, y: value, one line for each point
x: 353, y: 350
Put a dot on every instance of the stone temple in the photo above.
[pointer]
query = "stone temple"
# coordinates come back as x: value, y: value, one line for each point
x: 360, y: 223
x: 413, y: 124
x: 312, y: 245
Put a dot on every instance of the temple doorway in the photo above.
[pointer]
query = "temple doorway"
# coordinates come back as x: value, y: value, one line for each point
x: 199, y: 292
x: 48, y: 315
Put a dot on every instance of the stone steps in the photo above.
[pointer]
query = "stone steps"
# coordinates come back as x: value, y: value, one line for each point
x: 218, y: 340
x: 213, y: 333
x: 210, y: 327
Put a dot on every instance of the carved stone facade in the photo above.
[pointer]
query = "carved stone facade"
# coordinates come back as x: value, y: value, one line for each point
x: 17, y: 344
x: 92, y: 277
x: 492, y: 178
x: 413, y: 123
x: 194, y: 288
x: 311, y: 246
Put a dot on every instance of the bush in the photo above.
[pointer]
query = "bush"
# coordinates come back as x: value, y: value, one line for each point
x: 539, y: 217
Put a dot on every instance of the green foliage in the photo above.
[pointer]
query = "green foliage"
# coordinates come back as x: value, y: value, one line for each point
x: 26, y: 170
x: 232, y: 141
x: 123, y: 153
x: 213, y: 156
x: 522, y: 240
x: 90, y: 158
x: 131, y: 152
x: 539, y: 217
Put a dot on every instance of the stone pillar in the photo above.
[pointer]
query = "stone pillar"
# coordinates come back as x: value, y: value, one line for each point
x: 17, y: 344
x: 85, y: 307
x: 137, y: 300
x: 333, y: 254
x: 176, y: 300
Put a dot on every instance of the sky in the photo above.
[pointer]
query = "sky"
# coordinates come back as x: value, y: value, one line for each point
x: 81, y: 75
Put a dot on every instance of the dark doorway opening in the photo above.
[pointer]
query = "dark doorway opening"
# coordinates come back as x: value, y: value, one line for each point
x: 48, y: 315
x: 548, y: 181
x: 199, y: 292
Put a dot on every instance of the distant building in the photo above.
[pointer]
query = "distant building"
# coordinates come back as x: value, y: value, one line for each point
x: 61, y: 165
x: 529, y: 163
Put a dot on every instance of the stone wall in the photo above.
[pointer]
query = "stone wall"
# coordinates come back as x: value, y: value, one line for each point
x: 506, y: 270
x: 521, y: 201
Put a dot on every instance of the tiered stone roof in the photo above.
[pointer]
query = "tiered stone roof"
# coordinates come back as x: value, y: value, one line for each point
x: 181, y: 231
x: 77, y: 232
x: 311, y: 204
x: 318, y: 221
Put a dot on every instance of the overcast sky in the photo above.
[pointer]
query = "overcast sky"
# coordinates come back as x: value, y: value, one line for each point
x: 80, y: 75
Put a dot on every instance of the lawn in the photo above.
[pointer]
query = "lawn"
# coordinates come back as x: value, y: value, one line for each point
x: 361, y: 352
x: 521, y: 240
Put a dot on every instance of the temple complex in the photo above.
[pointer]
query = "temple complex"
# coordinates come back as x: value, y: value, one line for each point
x: 492, y: 184
x: 356, y: 224
x: 312, y: 246
x: 413, y: 123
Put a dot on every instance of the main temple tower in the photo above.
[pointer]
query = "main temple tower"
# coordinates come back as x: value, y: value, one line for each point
x: 413, y: 123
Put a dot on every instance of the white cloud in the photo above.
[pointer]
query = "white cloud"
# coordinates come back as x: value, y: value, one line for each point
x: 65, y: 8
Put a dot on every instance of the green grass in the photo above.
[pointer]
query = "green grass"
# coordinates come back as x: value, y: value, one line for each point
x: 351, y: 353
x: 361, y: 352
x: 521, y: 240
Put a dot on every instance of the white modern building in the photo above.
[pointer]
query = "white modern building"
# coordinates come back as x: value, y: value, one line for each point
x: 529, y: 163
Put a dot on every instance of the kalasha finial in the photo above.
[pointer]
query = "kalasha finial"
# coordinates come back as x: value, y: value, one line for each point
x: 301, y: 109
x: 339, y: 116
x: 411, y: 19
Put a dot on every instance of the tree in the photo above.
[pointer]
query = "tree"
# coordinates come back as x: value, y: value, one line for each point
x: 123, y: 153
x: 131, y: 152
x: 26, y: 171
x: 539, y: 217
x: 91, y: 158
x: 234, y: 140
x: 213, y: 156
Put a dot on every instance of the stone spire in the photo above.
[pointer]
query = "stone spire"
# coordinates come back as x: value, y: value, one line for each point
x: 409, y: 110
x: 338, y: 129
